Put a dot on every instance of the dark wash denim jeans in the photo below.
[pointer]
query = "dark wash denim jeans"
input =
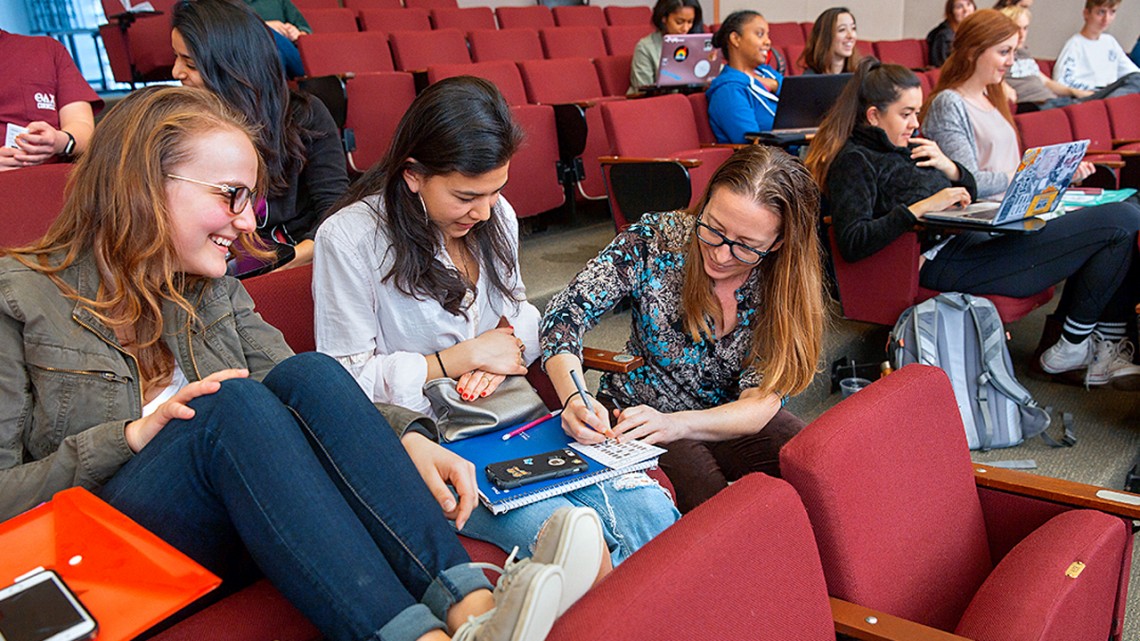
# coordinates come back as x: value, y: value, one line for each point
x: 304, y: 473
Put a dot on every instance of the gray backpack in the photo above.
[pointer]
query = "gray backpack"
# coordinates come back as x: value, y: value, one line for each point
x: 963, y: 335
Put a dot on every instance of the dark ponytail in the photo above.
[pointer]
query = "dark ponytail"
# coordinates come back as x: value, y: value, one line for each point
x: 734, y: 23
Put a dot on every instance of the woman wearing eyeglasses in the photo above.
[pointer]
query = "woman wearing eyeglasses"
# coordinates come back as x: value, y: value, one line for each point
x: 727, y: 312
x: 224, y: 47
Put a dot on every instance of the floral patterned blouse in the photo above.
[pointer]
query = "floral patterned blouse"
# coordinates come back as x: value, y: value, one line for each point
x: 645, y: 263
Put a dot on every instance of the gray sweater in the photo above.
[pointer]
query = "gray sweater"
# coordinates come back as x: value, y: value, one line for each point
x: 948, y: 123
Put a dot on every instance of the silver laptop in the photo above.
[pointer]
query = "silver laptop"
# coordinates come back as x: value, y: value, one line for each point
x: 1036, y: 188
x: 688, y: 59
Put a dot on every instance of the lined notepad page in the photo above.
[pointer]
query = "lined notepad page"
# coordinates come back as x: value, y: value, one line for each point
x: 618, y: 455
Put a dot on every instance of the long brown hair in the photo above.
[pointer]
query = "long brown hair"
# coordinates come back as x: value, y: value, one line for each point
x: 116, y: 208
x: 978, y: 32
x: 873, y: 85
x: 817, y: 52
x: 787, y: 332
x: 948, y: 13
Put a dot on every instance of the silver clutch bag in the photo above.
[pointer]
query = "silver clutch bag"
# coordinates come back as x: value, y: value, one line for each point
x: 513, y: 403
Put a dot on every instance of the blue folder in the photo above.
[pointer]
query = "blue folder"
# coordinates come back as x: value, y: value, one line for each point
x: 490, y: 448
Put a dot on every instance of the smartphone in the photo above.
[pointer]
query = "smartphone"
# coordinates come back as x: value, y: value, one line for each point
x: 248, y: 266
x: 42, y: 608
x: 539, y: 467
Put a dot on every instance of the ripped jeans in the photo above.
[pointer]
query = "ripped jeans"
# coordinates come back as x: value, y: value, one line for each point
x: 633, y: 509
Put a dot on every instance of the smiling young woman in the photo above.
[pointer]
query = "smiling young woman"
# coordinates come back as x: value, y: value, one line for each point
x: 743, y: 97
x: 831, y: 44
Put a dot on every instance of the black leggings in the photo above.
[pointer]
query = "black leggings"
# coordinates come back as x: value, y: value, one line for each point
x: 1094, y: 248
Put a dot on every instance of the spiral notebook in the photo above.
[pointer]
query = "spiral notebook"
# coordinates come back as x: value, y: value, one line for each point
x: 490, y: 448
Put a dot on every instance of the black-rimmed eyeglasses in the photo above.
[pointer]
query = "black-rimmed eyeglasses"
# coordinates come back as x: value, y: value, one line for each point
x: 239, y: 195
x: 740, y: 251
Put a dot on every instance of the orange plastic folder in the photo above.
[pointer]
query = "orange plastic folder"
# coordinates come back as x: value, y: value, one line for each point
x: 128, y: 578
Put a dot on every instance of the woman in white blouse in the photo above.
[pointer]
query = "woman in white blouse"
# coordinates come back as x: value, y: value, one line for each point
x: 417, y: 278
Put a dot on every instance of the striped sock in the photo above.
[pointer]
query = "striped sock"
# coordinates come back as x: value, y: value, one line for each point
x: 1114, y: 332
x: 1075, y: 331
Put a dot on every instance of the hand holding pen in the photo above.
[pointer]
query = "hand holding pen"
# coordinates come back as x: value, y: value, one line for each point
x: 583, y: 418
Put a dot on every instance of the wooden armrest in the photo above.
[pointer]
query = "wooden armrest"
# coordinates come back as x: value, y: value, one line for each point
x: 1115, y: 502
x: 1124, y: 141
x: 688, y: 163
x: 608, y: 361
x: 856, y: 620
x: 725, y: 145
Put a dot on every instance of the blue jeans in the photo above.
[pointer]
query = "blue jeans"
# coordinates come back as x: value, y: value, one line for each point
x: 305, y: 474
x: 633, y: 509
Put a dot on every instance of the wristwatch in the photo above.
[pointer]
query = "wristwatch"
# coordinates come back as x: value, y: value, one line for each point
x: 69, y: 148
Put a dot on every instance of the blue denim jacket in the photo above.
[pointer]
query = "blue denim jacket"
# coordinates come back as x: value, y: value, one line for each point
x: 68, y: 389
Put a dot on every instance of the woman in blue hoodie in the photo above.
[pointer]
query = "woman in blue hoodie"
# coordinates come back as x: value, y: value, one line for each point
x: 743, y: 98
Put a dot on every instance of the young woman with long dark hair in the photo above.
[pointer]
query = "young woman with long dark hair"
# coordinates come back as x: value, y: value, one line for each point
x: 879, y: 180
x: 831, y: 45
x: 222, y: 46
x: 417, y: 278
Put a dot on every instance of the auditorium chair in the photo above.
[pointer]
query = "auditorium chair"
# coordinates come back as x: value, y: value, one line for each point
x: 572, y: 42
x: 1046, y: 66
x: 640, y: 16
x: 535, y: 17
x: 877, y: 289
x: 418, y: 50
x: 910, y: 53
x: 332, y: 54
x: 660, y: 135
x: 1052, y: 126
x: 33, y: 197
x: 622, y: 39
x: 357, y: 5
x: 906, y: 524
x: 700, y: 104
x: 613, y: 74
x: 431, y: 4
x: 375, y: 104
x: 573, y: 84
x: 466, y: 19
x: 785, y: 33
x: 336, y: 21
x: 579, y: 16
x: 388, y: 20
x: 1090, y: 119
x: 138, y: 44
x: 488, y: 45
x: 793, y: 53
x: 305, y: 5
x: 504, y: 75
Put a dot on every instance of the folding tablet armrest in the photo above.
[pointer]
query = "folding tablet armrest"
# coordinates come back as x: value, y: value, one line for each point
x: 687, y: 163
x: 726, y: 145
x: 608, y: 361
x: 1115, y: 502
x: 1124, y: 141
x: 872, y: 625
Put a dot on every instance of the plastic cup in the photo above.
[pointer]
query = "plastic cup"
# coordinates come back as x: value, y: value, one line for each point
x: 849, y: 386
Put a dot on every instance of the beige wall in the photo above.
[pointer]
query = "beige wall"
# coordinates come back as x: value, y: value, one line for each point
x: 1053, y: 20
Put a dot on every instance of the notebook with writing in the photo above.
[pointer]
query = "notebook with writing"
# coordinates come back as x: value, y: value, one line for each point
x: 489, y: 448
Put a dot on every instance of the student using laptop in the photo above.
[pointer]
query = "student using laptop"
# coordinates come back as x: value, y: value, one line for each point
x: 743, y: 98
x: 670, y: 17
x: 879, y: 181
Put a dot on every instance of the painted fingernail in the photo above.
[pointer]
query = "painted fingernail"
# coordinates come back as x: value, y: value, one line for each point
x: 459, y: 389
x: 483, y: 394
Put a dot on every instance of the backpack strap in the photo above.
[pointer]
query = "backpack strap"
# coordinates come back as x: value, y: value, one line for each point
x: 926, y: 331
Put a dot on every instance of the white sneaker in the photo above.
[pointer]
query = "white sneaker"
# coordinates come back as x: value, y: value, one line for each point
x: 572, y: 539
x: 1064, y: 356
x: 1112, y: 363
x: 527, y: 596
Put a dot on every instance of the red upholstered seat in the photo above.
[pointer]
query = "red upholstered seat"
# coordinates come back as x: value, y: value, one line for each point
x: 700, y: 104
x: 431, y: 4
x: 613, y: 74
x: 331, y: 20
x: 616, y: 15
x: 376, y: 102
x: 316, y: 4
x: 579, y: 16
x: 331, y: 54
x: 1053, y: 126
x: 505, y: 44
x: 878, y: 288
x: 33, y: 197
x: 418, y: 50
x: 572, y: 42
x: 793, y: 53
x: 388, y: 20
x: 1089, y: 119
x: 572, y: 80
x: 902, y: 527
x: 465, y: 19
x: 621, y: 40
x: 284, y: 298
x: 357, y: 5
x: 785, y: 33
x: 503, y: 74
x: 910, y: 53
x: 534, y: 186
x: 143, y: 52
x: 657, y: 130
x: 1046, y: 66
x: 536, y: 17
x: 1123, y: 112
